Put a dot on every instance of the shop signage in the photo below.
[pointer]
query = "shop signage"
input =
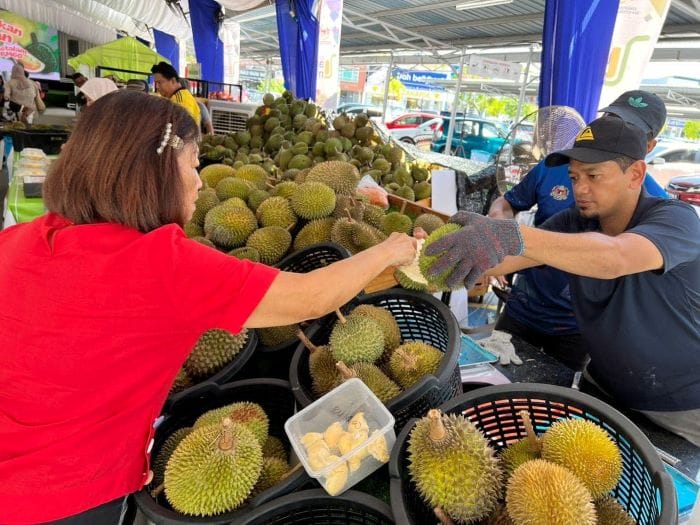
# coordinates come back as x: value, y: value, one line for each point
x: 421, y: 80
x: 492, y: 68
x: 33, y: 44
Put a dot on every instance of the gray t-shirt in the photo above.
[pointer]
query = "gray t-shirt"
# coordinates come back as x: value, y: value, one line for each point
x: 642, y: 331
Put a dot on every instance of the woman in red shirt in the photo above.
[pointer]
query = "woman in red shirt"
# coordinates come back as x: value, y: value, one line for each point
x: 104, y: 296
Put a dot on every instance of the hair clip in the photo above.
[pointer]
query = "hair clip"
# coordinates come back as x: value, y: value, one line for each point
x: 166, y: 138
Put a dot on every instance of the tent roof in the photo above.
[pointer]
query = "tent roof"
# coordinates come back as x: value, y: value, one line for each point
x: 123, y: 53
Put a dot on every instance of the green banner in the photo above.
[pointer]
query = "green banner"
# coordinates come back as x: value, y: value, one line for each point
x: 33, y: 44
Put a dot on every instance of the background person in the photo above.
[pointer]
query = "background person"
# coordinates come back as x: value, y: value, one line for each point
x: 538, y: 309
x: 634, y: 269
x: 22, y: 93
x: 95, y: 88
x: 168, y: 85
x: 113, y: 297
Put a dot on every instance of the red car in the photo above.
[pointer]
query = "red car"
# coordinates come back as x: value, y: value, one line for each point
x: 410, y: 120
x: 686, y: 188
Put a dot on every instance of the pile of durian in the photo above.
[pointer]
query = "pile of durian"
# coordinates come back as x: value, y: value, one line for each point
x: 226, y: 458
x: 326, y: 449
x: 287, y: 136
x: 367, y: 344
x: 214, y: 350
x: 563, y: 477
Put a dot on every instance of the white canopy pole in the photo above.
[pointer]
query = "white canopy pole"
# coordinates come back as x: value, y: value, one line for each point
x: 455, y: 103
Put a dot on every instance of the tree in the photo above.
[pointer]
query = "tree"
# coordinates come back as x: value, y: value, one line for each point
x: 691, y: 129
x: 397, y: 90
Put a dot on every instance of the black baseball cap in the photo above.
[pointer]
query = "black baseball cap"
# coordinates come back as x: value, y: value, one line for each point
x: 606, y: 138
x: 641, y: 108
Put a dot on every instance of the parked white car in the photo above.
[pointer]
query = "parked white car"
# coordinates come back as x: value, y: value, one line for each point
x: 671, y: 159
x: 418, y: 135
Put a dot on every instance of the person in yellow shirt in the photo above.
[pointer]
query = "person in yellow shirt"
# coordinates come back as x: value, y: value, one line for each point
x: 168, y: 86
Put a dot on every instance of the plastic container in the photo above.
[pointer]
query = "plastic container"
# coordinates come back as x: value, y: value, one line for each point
x: 47, y: 140
x: 227, y: 372
x: 316, y: 507
x: 340, y: 405
x: 421, y: 317
x: 32, y: 154
x: 646, y: 490
x: 276, y: 399
x: 273, y: 361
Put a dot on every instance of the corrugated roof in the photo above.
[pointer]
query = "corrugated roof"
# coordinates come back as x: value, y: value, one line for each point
x: 438, y: 21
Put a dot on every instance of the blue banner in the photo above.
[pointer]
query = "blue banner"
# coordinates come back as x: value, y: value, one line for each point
x: 421, y: 80
x: 575, y: 45
x: 297, y: 29
x: 205, y: 33
x: 167, y: 46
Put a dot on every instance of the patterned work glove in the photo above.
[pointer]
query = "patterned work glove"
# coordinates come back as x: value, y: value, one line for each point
x: 500, y: 344
x: 480, y: 244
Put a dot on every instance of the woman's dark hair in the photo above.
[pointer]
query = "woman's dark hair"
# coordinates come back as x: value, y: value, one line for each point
x: 110, y: 171
x: 165, y: 69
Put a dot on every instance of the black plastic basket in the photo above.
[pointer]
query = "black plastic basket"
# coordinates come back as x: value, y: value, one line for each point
x: 273, y: 361
x: 646, y: 491
x: 275, y: 397
x: 226, y: 373
x: 47, y: 140
x: 420, y: 317
x: 317, y: 507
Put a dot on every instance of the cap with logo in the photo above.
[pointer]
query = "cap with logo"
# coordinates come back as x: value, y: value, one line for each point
x: 641, y: 108
x: 606, y: 138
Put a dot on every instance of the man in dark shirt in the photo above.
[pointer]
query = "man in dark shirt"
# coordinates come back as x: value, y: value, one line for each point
x: 634, y: 271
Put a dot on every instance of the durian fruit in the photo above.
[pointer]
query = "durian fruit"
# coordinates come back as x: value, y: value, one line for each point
x: 206, y: 200
x: 277, y: 335
x: 311, y: 439
x: 234, y: 202
x: 256, y: 198
x: 246, y: 252
x: 610, y: 512
x: 229, y: 227
x: 426, y: 261
x: 373, y: 215
x: 322, y: 369
x: 166, y: 450
x: 355, y: 236
x: 454, y: 467
x: 233, y: 187
x: 213, y: 469
x: 332, y: 434
x: 245, y: 413
x: 182, y: 382
x: 214, y: 350
x: 254, y: 174
x: 204, y: 241
x: 540, y: 492
x: 586, y: 450
x: 412, y: 361
x: 335, y: 481
x: 396, y: 222
x: 357, y: 338
x: 313, y: 200
x: 276, y: 211
x: 406, y: 192
x: 284, y: 189
x: 382, y: 387
x: 273, y: 471
x: 342, y: 177
x: 192, y: 229
x: 272, y: 242
x: 410, y: 276
x: 499, y: 516
x: 389, y: 326
x: 378, y: 448
x: 422, y: 190
x: 348, y: 207
x: 521, y: 451
x: 349, y: 441
x: 428, y: 222
x: 314, y: 232
x: 214, y: 173
x: 358, y: 423
x: 274, y: 448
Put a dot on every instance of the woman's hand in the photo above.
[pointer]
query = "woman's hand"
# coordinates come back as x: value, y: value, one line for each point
x: 400, y: 248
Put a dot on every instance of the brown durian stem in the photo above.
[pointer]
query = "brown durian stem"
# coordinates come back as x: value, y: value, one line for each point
x: 437, y: 428
x: 347, y: 212
x: 443, y: 517
x: 156, y: 491
x: 345, y: 372
x: 341, y: 317
x: 226, y: 440
x: 403, y: 206
x: 410, y: 362
x: 307, y: 342
x: 268, y: 184
x: 532, y: 438
x: 291, y: 471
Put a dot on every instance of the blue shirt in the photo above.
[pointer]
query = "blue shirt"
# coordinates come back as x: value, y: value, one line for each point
x: 540, y: 298
x: 642, y: 331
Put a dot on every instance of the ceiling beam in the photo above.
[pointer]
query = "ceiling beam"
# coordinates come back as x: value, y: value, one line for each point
x: 415, y: 8
x: 538, y: 17
x: 686, y: 8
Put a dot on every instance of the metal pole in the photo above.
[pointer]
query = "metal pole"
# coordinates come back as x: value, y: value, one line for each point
x: 455, y: 102
x: 386, y: 86
x: 521, y: 99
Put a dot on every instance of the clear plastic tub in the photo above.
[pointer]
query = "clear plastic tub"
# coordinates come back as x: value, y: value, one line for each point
x: 333, y: 443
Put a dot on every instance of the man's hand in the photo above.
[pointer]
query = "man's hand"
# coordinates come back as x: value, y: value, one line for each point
x: 480, y: 244
x: 500, y: 344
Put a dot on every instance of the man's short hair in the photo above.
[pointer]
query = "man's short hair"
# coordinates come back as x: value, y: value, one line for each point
x: 76, y: 76
x: 624, y: 162
x: 165, y: 70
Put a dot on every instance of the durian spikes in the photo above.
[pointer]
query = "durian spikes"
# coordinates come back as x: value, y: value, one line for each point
x: 532, y: 439
x: 443, y: 516
x: 437, y: 428
x: 345, y: 371
x: 341, y: 317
